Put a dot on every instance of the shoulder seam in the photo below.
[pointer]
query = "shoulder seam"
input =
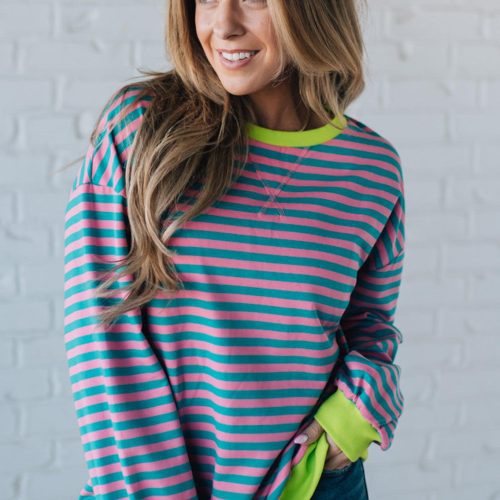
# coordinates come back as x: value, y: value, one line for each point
x: 94, y: 184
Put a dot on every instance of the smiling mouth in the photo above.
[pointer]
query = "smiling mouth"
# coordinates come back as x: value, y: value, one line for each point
x: 251, y: 52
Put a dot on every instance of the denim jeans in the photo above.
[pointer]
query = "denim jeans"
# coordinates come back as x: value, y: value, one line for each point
x: 347, y: 483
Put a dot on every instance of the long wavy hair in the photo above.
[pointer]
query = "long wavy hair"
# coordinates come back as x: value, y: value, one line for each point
x: 194, y: 130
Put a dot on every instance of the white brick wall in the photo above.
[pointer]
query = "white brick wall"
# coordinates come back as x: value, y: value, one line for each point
x: 433, y: 89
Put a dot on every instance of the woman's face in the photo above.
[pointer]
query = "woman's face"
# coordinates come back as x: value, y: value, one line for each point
x: 241, y: 26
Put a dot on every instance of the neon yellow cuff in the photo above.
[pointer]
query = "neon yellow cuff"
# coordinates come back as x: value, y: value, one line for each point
x: 342, y: 420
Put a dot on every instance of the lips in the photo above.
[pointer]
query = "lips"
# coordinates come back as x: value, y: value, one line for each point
x: 238, y: 63
x: 237, y: 50
x: 253, y: 53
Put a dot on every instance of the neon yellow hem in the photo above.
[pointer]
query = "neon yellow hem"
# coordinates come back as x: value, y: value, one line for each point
x: 309, y: 137
x: 305, y: 475
x: 342, y: 420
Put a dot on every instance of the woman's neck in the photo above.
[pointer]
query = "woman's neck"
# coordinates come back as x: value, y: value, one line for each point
x: 275, y: 109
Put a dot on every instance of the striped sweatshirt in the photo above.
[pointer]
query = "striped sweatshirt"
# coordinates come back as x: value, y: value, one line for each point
x: 290, y: 286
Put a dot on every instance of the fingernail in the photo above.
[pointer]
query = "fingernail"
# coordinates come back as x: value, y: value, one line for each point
x: 300, y: 439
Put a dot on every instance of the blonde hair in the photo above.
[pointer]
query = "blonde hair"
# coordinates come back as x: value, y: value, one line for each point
x: 194, y: 129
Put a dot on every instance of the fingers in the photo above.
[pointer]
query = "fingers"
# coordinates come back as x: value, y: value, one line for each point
x: 335, y: 457
x: 311, y: 433
x: 334, y: 449
x: 337, y: 463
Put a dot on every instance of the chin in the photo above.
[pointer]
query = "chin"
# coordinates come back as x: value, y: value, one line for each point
x: 237, y: 90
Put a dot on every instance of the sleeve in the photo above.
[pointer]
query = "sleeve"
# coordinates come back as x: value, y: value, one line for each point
x: 122, y: 394
x: 368, y: 401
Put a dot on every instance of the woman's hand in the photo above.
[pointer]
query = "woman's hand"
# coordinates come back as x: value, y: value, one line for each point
x: 335, y: 458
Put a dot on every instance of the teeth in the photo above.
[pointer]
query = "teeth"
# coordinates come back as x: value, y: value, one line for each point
x: 236, y: 56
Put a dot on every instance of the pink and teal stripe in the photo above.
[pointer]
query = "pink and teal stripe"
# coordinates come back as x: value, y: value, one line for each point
x: 200, y: 394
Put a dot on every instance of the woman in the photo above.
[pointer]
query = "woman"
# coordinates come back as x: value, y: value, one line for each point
x: 233, y: 253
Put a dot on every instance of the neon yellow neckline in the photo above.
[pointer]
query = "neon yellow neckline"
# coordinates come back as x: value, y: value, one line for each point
x: 309, y: 137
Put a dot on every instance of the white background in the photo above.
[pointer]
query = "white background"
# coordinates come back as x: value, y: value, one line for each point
x: 433, y: 90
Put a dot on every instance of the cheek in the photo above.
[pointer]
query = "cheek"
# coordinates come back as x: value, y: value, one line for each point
x: 267, y: 35
x: 204, y: 40
x: 202, y: 29
x: 267, y: 32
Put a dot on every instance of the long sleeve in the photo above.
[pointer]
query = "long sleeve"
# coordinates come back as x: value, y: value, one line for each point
x: 122, y: 395
x: 368, y: 403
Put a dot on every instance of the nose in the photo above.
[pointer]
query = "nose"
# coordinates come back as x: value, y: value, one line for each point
x: 227, y: 21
